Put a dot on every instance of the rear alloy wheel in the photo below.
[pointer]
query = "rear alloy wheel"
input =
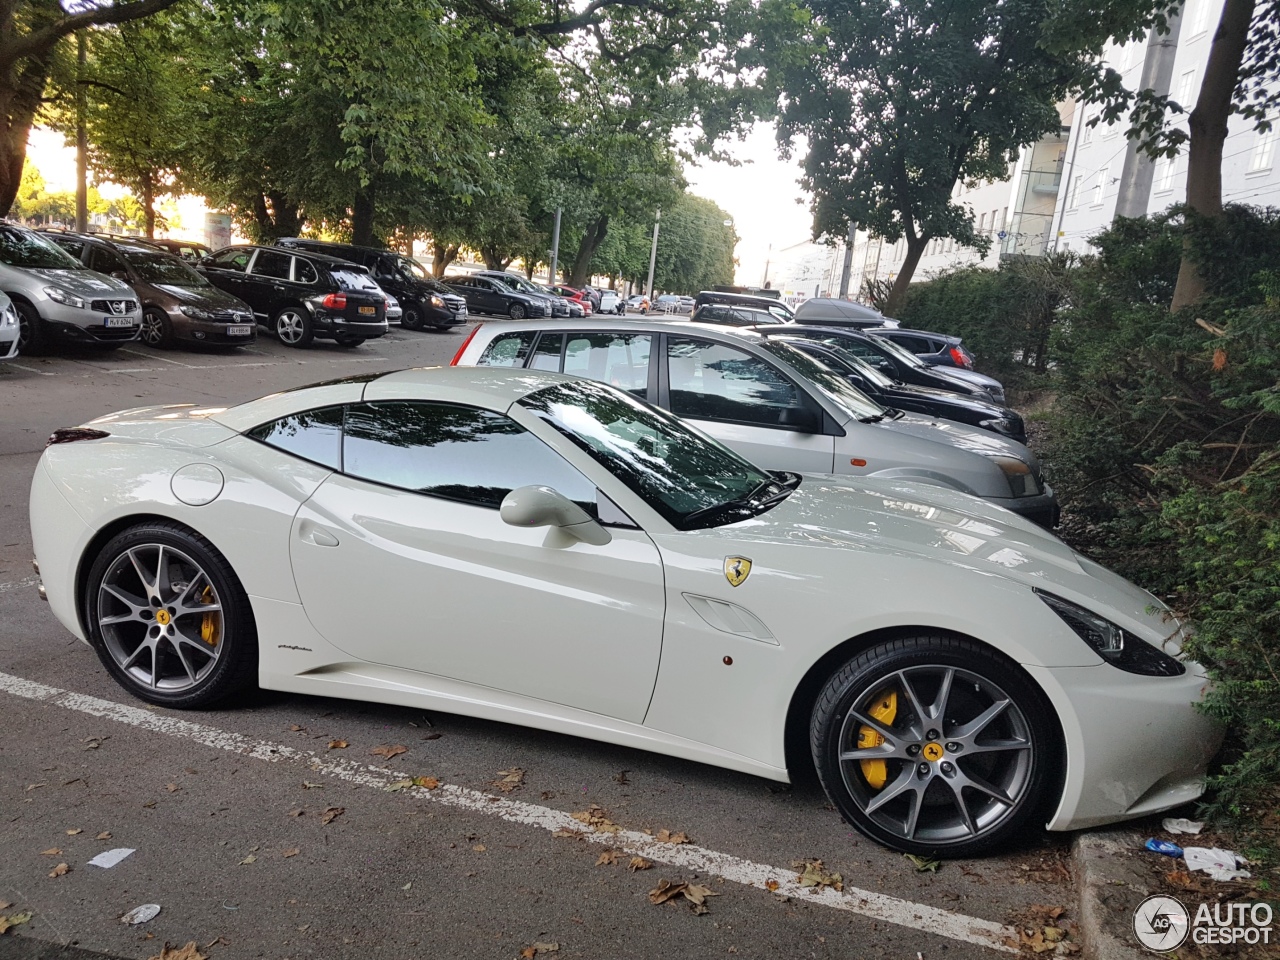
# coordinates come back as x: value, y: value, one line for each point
x: 30, y: 329
x: 935, y: 746
x: 411, y: 318
x: 293, y: 327
x: 157, y: 329
x: 169, y: 618
x: 516, y: 312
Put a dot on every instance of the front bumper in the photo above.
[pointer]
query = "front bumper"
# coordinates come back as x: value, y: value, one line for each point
x: 445, y: 316
x: 1041, y: 509
x: 9, y: 348
x: 1135, y: 745
x: 211, y: 331
x: 93, y: 333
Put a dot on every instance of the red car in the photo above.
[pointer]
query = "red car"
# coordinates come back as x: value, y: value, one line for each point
x: 576, y: 296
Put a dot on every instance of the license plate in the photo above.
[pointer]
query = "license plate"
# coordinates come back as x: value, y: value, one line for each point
x: 117, y: 321
x: 239, y: 330
x: 368, y: 311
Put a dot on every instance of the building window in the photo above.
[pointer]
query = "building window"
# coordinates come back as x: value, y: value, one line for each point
x: 1100, y: 187
x: 1074, y: 200
x: 1086, y: 131
x: 1199, y: 17
x: 1163, y: 174
x: 1187, y: 90
x: 1004, y: 218
x: 1264, y: 148
x: 982, y: 223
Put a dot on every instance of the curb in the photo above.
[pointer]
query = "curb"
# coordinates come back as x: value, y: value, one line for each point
x: 1109, y: 888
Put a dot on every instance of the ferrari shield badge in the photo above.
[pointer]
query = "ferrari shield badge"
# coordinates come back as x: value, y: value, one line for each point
x: 736, y: 570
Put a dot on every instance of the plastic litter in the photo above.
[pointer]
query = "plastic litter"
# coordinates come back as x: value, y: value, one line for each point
x: 148, y: 911
x: 1219, y: 864
x: 109, y: 858
x: 1181, y: 825
x: 1164, y: 847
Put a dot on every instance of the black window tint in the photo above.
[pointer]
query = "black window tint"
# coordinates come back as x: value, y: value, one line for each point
x: 105, y: 261
x: 458, y: 453
x: 508, y: 350
x: 914, y: 344
x: 272, y: 264
x: 304, y: 271
x: 618, y: 359
x: 547, y: 354
x: 315, y: 435
x: 232, y: 260
x: 712, y: 381
x: 69, y: 244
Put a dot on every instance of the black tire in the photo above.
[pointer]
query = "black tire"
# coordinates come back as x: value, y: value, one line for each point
x: 235, y: 636
x: 411, y: 318
x: 348, y: 340
x: 879, y: 801
x: 293, y: 326
x: 516, y: 312
x: 157, y: 329
x: 31, y: 333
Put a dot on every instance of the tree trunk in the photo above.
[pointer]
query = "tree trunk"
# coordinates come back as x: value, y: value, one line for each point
x: 591, y: 241
x: 1208, y: 126
x: 19, y: 100
x: 362, y: 218
x: 275, y: 217
x: 149, y: 205
x: 495, y: 260
x: 442, y: 254
x: 898, y: 293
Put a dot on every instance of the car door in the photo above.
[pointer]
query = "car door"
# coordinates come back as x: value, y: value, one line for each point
x: 746, y: 403
x: 403, y: 559
x: 473, y: 293
x: 269, y: 281
x: 226, y: 271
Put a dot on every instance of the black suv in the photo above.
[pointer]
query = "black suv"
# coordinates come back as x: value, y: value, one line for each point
x: 177, y: 303
x: 425, y: 300
x: 300, y: 296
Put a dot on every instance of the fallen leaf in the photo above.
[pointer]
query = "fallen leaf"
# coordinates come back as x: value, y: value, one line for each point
x: 528, y: 953
x: 104, y: 835
x: 291, y: 852
x: 698, y: 894
x: 249, y: 859
x: 387, y: 752
x: 639, y: 863
x: 188, y: 952
x: 72, y: 833
x: 479, y: 848
x: 172, y: 787
x: 332, y: 814
x: 608, y: 858
x: 813, y: 874
x: 771, y: 885
x: 923, y: 864
x: 570, y: 834
x: 296, y: 812
x: 61, y: 870
x: 1053, y: 934
x: 338, y: 744
x: 397, y: 785
x: 621, y: 776
x: 666, y: 836
x: 1219, y: 359
x: 511, y: 779
x: 51, y: 852
x: 595, y: 819
x: 427, y: 783
x: 14, y: 920
x: 694, y: 893
x: 295, y: 728
x: 665, y: 890
x: 1179, y: 878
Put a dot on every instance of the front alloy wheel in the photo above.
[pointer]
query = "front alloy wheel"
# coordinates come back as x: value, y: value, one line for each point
x: 168, y: 617
x: 935, y: 746
x: 411, y: 317
x: 293, y: 327
x: 516, y: 312
x: 157, y: 330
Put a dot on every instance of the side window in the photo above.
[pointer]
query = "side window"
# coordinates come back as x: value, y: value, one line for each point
x: 858, y: 349
x: 272, y: 264
x: 105, y: 261
x: 304, y: 271
x: 315, y: 435
x: 914, y: 344
x: 712, y: 381
x: 620, y: 359
x: 69, y: 244
x: 382, y: 267
x: 233, y: 260
x: 457, y: 453
x: 508, y: 350
x: 547, y: 354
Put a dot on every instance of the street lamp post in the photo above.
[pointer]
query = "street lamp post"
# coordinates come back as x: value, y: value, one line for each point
x: 653, y: 256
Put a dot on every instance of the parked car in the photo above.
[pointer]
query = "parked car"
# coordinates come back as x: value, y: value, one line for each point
x: 935, y: 349
x: 593, y: 295
x: 424, y: 300
x: 190, y: 250
x: 772, y: 304
x: 971, y: 379
x: 557, y: 306
x: 177, y: 302
x: 9, y: 327
x: 667, y: 303
x: 639, y: 302
x: 59, y: 299
x: 483, y: 294
x: 899, y: 396
x: 961, y: 675
x: 829, y: 311
x: 774, y: 404
x: 579, y: 297
x: 395, y: 313
x: 687, y: 304
x: 736, y: 315
x: 610, y: 302
x: 301, y: 295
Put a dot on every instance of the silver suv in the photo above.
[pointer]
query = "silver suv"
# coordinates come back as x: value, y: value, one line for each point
x: 8, y: 329
x: 58, y: 299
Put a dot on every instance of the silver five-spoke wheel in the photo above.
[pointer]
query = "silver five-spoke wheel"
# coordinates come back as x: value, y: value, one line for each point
x: 293, y: 327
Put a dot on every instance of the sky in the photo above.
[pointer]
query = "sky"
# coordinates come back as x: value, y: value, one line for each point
x: 762, y: 195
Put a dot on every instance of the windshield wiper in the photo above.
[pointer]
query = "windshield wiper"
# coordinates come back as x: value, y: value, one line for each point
x: 874, y: 419
x: 747, y: 505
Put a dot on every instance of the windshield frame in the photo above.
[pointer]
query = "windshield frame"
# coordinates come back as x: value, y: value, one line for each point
x: 851, y: 401
x: 847, y: 356
x: 898, y: 351
x: 42, y: 243
x: 413, y: 271
x: 137, y: 259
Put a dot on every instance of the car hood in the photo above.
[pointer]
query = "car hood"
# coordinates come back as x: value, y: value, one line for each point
x: 85, y: 283
x: 210, y: 297
x: 961, y: 373
x: 974, y: 440
x: 904, y: 517
x: 938, y: 395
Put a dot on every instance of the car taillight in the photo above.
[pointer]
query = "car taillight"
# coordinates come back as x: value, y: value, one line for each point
x: 465, y: 343
x: 72, y: 434
x: 334, y: 301
x: 960, y: 358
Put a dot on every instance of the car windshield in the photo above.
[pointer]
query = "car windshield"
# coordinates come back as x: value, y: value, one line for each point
x: 688, y: 478
x: 154, y: 268
x: 412, y: 268
x: 902, y: 353
x: 840, y: 346
x: 22, y: 248
x: 835, y: 387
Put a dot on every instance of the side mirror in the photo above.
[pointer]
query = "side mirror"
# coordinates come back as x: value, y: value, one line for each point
x: 802, y: 419
x: 120, y: 275
x: 537, y: 506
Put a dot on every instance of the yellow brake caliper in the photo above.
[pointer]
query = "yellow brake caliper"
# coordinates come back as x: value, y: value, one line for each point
x: 885, y: 709
x: 210, y: 622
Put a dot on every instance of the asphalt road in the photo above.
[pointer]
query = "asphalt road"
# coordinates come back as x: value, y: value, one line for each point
x: 226, y: 812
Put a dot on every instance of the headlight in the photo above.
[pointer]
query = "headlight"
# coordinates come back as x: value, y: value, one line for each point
x: 1000, y: 426
x: 1117, y: 646
x: 195, y: 313
x: 437, y: 301
x: 61, y: 296
x: 10, y: 316
x: 1022, y: 483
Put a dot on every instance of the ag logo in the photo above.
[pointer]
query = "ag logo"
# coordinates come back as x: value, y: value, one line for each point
x: 736, y: 570
x: 1161, y: 923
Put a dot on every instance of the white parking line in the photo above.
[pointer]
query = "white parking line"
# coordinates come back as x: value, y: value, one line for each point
x: 19, y: 584
x: 761, y: 876
x: 152, y: 356
x: 23, y: 366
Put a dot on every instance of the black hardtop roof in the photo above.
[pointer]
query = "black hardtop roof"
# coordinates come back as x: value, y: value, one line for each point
x: 320, y: 257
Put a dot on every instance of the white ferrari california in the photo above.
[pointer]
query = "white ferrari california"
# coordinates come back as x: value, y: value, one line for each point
x: 548, y: 551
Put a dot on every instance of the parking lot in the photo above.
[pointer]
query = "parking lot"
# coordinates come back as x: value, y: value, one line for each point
x: 270, y: 828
